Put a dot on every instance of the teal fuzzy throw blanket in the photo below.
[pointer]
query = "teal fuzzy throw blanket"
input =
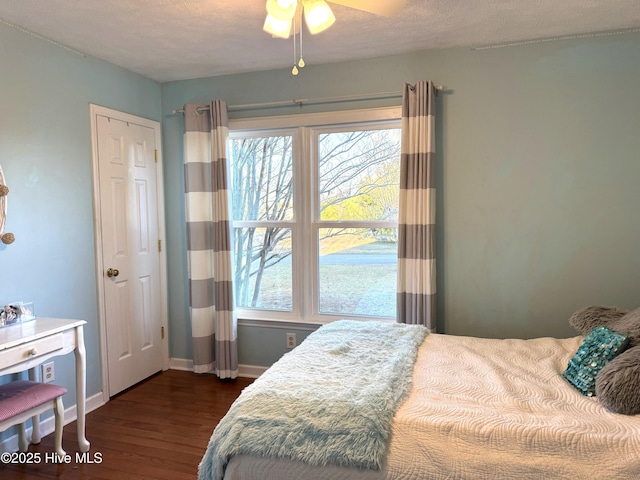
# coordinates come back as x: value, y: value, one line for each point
x: 331, y: 400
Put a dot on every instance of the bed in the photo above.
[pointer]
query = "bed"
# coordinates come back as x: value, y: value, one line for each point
x: 432, y: 406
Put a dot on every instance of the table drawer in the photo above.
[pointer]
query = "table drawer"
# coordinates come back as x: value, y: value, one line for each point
x: 34, y: 349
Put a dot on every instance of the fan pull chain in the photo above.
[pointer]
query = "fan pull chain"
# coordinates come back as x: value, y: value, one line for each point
x: 294, y: 70
x: 301, y: 61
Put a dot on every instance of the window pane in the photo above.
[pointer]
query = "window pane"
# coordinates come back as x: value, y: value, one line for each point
x: 262, y: 178
x: 359, y: 175
x: 263, y: 268
x: 357, y: 271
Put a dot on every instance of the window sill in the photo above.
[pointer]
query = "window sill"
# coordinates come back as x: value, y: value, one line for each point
x: 283, y: 324
x: 311, y: 325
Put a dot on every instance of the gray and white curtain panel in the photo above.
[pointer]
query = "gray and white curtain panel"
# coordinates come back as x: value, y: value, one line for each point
x: 211, y: 301
x: 416, y: 224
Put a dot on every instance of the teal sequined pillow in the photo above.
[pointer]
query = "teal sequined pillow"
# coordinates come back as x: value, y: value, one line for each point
x: 597, y: 349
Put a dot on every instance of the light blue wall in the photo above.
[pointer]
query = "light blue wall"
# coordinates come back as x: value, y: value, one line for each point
x: 538, y: 172
x: 45, y: 152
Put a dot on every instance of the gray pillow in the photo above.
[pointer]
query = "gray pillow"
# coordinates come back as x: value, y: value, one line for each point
x: 628, y: 325
x: 618, y: 383
x: 588, y: 318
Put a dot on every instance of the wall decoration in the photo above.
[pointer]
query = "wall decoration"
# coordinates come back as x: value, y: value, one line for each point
x: 6, y: 238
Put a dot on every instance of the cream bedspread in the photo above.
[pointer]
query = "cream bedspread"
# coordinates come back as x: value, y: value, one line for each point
x: 485, y: 408
x: 489, y: 409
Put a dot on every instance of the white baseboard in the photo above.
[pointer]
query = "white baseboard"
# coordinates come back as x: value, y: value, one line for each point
x: 181, y: 364
x: 47, y: 425
x: 251, y: 371
x: 248, y: 371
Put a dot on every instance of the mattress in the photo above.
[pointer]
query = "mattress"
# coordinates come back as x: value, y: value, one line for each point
x: 487, y: 409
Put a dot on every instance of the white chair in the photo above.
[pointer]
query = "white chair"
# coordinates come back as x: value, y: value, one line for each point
x: 24, y: 399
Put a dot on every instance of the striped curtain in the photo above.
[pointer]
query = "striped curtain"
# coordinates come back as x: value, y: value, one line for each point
x: 416, y: 224
x: 211, y: 301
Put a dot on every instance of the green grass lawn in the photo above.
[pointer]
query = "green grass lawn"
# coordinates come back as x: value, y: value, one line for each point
x: 368, y: 290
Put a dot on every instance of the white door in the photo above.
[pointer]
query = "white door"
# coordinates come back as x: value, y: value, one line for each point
x: 130, y: 240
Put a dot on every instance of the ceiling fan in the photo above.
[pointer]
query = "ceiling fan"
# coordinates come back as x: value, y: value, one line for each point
x: 284, y: 17
x: 317, y: 13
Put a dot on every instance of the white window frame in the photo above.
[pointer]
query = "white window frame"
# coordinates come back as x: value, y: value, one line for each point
x: 305, y: 129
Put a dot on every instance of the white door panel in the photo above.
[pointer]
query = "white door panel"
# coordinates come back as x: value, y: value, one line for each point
x: 130, y: 255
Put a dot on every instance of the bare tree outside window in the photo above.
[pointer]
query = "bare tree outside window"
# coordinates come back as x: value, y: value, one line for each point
x: 357, y: 188
x: 262, y: 191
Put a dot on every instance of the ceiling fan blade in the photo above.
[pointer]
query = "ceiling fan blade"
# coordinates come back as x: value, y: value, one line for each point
x: 386, y: 8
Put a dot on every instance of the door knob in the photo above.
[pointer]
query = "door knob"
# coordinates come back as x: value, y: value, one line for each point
x: 113, y: 272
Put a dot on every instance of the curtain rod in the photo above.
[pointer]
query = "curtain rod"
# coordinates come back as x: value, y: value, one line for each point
x: 310, y: 101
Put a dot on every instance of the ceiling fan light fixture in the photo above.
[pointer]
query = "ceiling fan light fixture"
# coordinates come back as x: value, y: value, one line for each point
x: 282, y: 9
x: 318, y: 15
x: 277, y: 27
x: 287, y: 3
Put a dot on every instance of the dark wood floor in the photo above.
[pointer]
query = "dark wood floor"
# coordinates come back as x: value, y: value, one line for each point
x: 156, y: 430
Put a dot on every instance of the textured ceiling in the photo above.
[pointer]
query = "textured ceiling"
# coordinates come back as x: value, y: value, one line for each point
x: 180, y: 39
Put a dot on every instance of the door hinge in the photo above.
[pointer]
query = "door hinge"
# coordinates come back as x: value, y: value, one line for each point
x: 159, y: 245
x: 162, y: 333
x: 155, y: 155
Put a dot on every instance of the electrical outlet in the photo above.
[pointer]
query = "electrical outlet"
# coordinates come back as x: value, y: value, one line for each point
x: 291, y: 340
x: 48, y: 372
